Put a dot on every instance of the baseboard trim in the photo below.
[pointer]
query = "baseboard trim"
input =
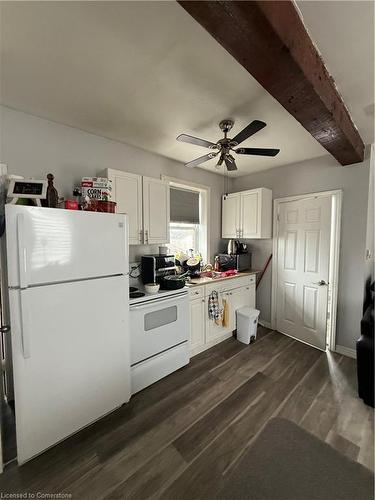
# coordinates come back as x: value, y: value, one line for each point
x: 266, y: 324
x: 346, y: 351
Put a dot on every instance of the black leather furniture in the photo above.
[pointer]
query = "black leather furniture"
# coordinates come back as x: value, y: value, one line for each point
x: 365, y: 352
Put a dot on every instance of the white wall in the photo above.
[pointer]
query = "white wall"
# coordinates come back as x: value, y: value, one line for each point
x: 370, y: 230
x: 322, y: 174
x: 33, y: 147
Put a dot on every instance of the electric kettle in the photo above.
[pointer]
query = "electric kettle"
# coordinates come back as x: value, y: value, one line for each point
x: 232, y: 247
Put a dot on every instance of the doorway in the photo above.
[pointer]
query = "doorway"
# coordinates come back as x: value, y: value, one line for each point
x: 306, y: 243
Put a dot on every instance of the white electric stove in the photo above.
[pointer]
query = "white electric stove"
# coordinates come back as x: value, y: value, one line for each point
x: 147, y: 297
x: 159, y: 335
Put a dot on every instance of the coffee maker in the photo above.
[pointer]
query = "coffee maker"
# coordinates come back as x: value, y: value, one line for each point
x: 235, y: 247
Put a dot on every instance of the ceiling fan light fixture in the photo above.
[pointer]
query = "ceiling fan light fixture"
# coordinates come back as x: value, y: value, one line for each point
x: 225, y: 145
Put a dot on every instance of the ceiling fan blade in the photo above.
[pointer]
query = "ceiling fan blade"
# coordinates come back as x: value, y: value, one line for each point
x: 230, y: 163
x: 257, y: 151
x: 248, y: 131
x: 195, y: 140
x: 220, y: 162
x: 200, y: 160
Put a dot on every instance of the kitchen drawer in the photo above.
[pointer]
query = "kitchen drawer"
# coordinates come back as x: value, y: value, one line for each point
x: 230, y: 284
x: 252, y: 278
x: 196, y: 292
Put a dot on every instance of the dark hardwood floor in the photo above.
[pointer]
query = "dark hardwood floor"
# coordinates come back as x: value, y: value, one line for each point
x: 180, y: 437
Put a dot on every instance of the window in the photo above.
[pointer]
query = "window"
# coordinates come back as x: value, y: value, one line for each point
x: 189, y: 217
x: 183, y: 236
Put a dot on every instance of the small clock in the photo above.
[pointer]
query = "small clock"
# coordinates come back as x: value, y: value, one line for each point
x: 27, y: 188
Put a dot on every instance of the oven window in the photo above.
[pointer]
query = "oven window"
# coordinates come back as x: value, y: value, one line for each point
x: 159, y: 318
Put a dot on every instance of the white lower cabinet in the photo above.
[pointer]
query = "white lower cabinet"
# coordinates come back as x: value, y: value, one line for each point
x: 205, y: 332
x: 197, y: 325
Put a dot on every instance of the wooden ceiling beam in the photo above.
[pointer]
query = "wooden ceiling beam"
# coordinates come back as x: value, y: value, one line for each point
x: 269, y: 39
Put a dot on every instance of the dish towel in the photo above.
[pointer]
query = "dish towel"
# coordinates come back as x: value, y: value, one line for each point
x: 214, y: 311
x: 225, y: 316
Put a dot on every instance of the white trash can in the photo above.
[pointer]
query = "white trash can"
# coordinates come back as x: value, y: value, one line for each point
x: 247, y: 322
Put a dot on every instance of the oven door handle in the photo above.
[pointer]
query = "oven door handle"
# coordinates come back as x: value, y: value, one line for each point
x: 156, y: 302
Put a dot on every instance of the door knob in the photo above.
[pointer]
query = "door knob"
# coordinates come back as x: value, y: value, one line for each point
x: 321, y: 283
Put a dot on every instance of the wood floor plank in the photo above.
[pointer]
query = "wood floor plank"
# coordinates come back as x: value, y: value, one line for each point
x: 253, y: 357
x: 323, y: 413
x: 199, y: 365
x: 180, y: 437
x: 197, y: 437
x: 132, y: 430
x: 296, y: 406
x: 150, y: 478
x: 366, y: 453
x: 343, y: 445
x: 204, y: 477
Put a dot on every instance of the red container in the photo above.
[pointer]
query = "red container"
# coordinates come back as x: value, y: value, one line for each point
x: 71, y: 204
x: 101, y: 206
x: 106, y: 206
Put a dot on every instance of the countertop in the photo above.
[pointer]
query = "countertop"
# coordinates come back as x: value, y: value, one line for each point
x: 205, y: 281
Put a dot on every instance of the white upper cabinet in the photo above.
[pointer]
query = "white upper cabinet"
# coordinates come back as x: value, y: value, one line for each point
x: 247, y: 214
x: 127, y: 192
x: 231, y: 215
x: 146, y: 201
x: 156, y: 211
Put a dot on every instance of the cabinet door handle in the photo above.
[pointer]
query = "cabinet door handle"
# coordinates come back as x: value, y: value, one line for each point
x: 141, y: 236
x: 146, y: 236
x: 203, y: 300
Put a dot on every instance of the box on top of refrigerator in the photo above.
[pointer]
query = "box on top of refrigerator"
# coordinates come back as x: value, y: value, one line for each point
x: 97, y: 188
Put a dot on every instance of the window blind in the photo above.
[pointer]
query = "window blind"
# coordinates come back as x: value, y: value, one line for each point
x: 184, y: 205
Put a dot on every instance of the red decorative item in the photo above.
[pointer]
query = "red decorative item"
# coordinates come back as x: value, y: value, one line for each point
x: 107, y: 206
x: 71, y: 204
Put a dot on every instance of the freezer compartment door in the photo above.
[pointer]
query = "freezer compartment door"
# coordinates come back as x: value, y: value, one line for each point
x: 47, y: 245
x: 71, y: 358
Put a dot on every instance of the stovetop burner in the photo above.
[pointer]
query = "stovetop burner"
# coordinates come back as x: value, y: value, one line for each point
x: 132, y: 289
x: 136, y: 295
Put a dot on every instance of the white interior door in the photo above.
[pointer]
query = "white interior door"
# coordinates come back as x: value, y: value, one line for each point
x: 231, y: 216
x: 156, y: 212
x: 70, y: 356
x: 303, y: 255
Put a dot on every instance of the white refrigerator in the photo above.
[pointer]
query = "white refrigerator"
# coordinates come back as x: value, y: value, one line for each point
x: 69, y: 310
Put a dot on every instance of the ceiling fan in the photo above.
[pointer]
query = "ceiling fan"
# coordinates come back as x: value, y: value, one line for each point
x: 224, y: 146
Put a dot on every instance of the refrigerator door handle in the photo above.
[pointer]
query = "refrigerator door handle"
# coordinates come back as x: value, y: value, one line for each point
x: 22, y: 251
x: 24, y: 320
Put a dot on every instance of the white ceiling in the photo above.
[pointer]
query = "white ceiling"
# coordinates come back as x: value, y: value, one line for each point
x: 144, y: 72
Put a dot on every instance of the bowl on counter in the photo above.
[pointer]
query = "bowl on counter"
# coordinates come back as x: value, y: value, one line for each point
x: 152, y: 288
